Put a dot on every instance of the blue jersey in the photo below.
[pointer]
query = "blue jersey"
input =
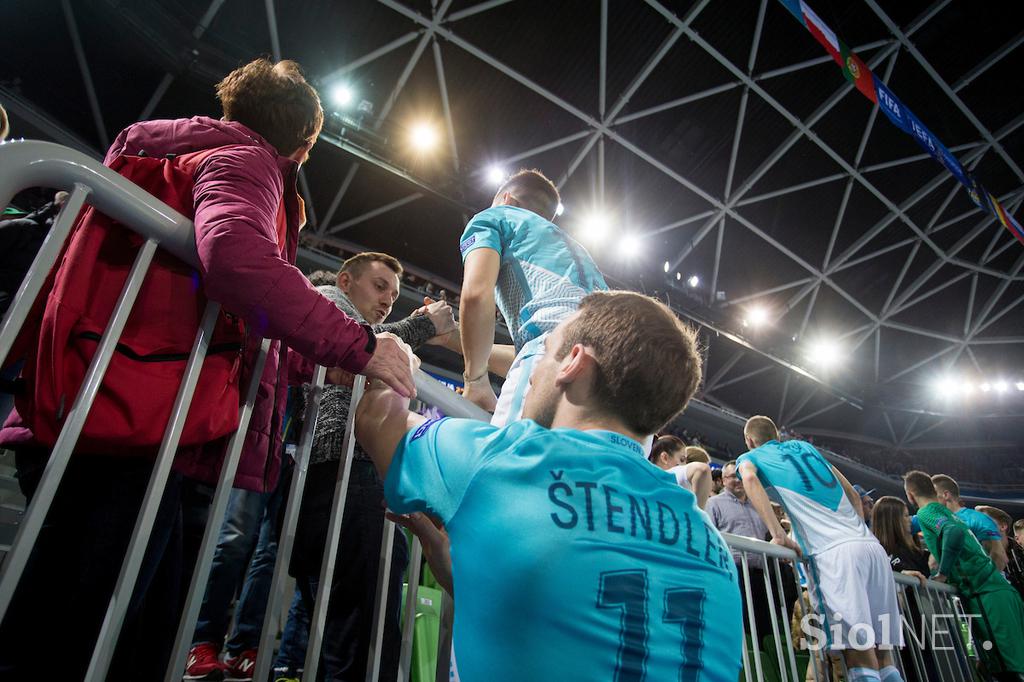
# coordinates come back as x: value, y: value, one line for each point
x: 796, y: 476
x: 981, y: 524
x: 573, y: 557
x: 544, y: 272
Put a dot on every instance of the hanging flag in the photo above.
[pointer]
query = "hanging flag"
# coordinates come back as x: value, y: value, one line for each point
x: 858, y: 73
x: 820, y: 30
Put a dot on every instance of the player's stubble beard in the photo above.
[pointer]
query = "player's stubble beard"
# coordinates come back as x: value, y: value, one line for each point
x: 541, y: 400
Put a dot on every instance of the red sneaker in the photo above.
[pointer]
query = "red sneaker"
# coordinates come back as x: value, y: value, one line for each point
x: 203, y: 664
x: 240, y: 668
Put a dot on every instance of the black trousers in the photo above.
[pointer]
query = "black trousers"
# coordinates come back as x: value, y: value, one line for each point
x: 766, y: 608
x: 54, y: 619
x: 350, y: 611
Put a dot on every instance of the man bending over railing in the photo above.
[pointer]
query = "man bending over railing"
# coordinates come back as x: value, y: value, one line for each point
x: 849, y: 578
x: 574, y: 558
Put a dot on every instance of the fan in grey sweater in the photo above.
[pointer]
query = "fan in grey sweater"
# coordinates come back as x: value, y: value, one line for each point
x: 335, y: 401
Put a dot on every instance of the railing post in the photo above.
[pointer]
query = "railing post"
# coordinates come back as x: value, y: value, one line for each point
x: 214, y: 521
x: 444, y: 638
x: 751, y: 614
x: 785, y: 606
x: 291, y: 519
x: 409, y: 612
x: 318, y: 619
x: 35, y: 514
x: 37, y: 273
x: 380, y: 611
x: 118, y: 608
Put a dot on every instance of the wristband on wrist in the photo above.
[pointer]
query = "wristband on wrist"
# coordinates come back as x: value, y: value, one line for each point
x: 466, y: 379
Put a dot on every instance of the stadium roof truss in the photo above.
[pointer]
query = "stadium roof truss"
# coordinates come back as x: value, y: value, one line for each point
x: 900, y: 424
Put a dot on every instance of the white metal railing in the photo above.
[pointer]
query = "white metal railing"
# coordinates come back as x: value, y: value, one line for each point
x: 41, y: 164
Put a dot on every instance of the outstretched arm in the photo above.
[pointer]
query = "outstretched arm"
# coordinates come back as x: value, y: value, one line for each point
x: 476, y: 321
x: 382, y: 420
x: 436, y: 547
x: 759, y: 498
x: 951, y: 543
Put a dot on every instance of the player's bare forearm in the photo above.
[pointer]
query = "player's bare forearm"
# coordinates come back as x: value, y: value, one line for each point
x: 382, y: 420
x: 851, y: 494
x: 759, y: 498
x: 500, y: 360
x: 997, y: 553
x: 477, y: 309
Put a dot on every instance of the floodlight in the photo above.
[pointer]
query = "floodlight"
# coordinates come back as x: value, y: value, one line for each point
x: 679, y: 276
x: 496, y: 175
x: 630, y: 246
x: 757, y: 316
x: 825, y: 353
x: 1001, y: 386
x: 423, y: 136
x: 560, y: 210
x: 694, y: 281
x: 595, y: 227
x: 666, y: 266
x: 985, y: 387
x: 1020, y: 385
x: 946, y: 387
x: 342, y: 95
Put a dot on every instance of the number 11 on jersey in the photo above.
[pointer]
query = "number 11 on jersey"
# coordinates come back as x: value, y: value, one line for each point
x: 626, y: 591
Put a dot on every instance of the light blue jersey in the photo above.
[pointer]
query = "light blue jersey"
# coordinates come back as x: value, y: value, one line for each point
x: 573, y: 557
x: 796, y: 476
x: 544, y: 272
x: 981, y: 524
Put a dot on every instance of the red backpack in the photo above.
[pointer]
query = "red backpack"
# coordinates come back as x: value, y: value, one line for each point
x: 133, y: 406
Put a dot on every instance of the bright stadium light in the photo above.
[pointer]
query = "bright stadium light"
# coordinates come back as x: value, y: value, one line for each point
x: 496, y: 175
x: 985, y: 387
x: 630, y: 246
x: 757, y: 316
x: 596, y: 227
x: 1020, y: 385
x: 560, y: 210
x: 679, y: 276
x: 1001, y: 386
x: 946, y: 387
x: 342, y: 95
x: 423, y: 136
x: 694, y: 281
x: 825, y: 353
x: 666, y: 266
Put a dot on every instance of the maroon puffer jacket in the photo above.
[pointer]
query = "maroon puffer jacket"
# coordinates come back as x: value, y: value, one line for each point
x: 237, y: 195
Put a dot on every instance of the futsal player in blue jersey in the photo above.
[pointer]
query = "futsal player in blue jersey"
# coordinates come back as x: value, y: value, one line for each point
x: 850, y: 579
x: 573, y: 557
x: 515, y: 257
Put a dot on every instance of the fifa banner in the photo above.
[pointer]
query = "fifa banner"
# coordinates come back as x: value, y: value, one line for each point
x: 858, y: 73
x: 431, y: 412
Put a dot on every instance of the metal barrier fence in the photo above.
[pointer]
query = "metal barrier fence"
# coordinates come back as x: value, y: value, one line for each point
x: 42, y: 164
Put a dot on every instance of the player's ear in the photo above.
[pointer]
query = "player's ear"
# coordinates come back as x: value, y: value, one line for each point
x: 576, y: 363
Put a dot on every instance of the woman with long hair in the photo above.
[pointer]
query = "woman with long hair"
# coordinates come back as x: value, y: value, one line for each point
x: 890, y: 522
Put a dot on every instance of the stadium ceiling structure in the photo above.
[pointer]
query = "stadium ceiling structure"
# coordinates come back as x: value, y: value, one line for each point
x: 764, y: 197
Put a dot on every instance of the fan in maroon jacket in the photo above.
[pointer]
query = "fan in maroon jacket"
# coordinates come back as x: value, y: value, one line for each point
x: 272, y: 118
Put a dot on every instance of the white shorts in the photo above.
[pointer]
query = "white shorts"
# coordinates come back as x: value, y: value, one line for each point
x: 517, y: 383
x: 852, y: 587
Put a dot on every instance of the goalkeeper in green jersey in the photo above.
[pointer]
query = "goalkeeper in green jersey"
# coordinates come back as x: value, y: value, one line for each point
x: 965, y: 565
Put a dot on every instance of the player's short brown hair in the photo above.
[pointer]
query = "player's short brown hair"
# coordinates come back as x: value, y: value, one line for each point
x: 534, y: 192
x: 648, y: 366
x: 275, y: 101
x: 5, y: 126
x: 357, y: 263
x: 919, y: 483
x: 996, y: 514
x: 760, y: 430
x: 695, y: 453
x: 946, y: 484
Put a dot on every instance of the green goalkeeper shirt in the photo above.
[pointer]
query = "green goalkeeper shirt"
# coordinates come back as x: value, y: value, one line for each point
x: 961, y: 558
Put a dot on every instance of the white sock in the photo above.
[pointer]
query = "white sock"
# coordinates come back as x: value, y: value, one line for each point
x: 890, y: 673
x: 863, y: 675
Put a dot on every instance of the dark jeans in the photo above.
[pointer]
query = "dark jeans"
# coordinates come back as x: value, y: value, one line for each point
x: 55, y: 616
x: 292, y: 654
x: 350, y: 610
x: 247, y: 543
